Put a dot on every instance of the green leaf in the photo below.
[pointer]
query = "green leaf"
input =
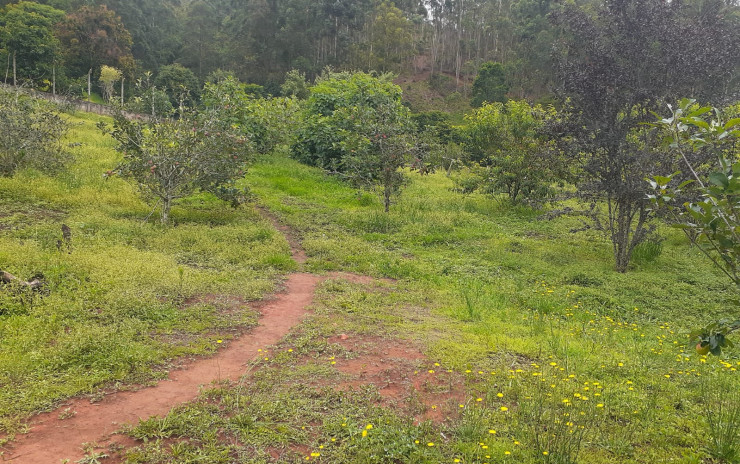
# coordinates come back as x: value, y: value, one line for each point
x: 720, y: 179
x: 731, y: 123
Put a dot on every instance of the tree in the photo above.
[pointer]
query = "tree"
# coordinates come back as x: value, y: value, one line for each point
x: 616, y: 67
x: 710, y: 217
x: 95, y: 36
x: 508, y: 153
x: 356, y: 126
x: 156, y: 30
x: 295, y: 85
x: 27, y: 35
x: 490, y: 84
x: 391, y: 39
x: 108, y: 77
x: 31, y: 134
x: 173, y: 158
x: 179, y: 83
x: 268, y: 122
x: 149, y: 99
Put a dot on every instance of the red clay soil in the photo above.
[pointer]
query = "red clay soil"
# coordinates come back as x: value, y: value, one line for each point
x: 51, y: 440
x: 401, y: 374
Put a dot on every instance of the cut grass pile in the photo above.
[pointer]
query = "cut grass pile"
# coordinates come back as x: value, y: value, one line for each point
x: 120, y: 299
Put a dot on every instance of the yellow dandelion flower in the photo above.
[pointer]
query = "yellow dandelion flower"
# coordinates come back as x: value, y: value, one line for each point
x: 500, y: 395
x: 430, y: 444
x: 507, y: 452
x: 369, y: 426
x: 504, y: 408
x: 364, y: 433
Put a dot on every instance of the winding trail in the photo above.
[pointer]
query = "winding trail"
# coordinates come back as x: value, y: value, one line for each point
x: 51, y: 440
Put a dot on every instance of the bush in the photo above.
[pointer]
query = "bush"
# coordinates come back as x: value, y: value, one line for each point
x: 31, y: 134
x: 174, y: 158
x: 508, y: 153
x: 268, y: 122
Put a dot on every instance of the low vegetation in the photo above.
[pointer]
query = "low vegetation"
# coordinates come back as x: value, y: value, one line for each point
x: 121, y: 297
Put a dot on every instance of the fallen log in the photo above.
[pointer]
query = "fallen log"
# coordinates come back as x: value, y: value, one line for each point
x: 8, y: 278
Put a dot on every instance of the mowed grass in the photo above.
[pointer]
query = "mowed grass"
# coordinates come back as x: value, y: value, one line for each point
x: 122, y: 297
x: 562, y: 359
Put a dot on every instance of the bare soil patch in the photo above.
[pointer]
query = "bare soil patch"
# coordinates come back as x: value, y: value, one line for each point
x: 405, y: 379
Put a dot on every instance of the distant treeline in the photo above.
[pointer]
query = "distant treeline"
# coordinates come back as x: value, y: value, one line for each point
x: 61, y: 45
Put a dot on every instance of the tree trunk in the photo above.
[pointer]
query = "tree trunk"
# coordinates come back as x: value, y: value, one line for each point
x: 89, y: 88
x: 624, y: 239
x: 15, y: 76
x: 387, y: 198
x: 166, y: 205
x: 7, y: 70
x: 122, y: 79
x: 54, y: 78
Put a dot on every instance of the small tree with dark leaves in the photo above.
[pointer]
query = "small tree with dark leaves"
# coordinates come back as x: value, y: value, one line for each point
x: 617, y: 66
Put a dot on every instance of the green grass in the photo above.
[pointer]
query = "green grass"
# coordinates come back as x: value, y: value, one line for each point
x: 116, y: 305
x: 519, y: 307
x: 509, y: 311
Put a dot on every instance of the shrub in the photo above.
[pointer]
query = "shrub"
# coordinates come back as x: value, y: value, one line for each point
x: 173, y: 158
x: 31, y: 134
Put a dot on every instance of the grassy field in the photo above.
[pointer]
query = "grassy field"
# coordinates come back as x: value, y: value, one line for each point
x: 496, y: 336
x: 534, y: 349
x: 120, y: 300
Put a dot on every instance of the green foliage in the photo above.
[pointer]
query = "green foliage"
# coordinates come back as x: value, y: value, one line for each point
x: 173, y: 158
x: 508, y: 153
x: 31, y: 134
x: 295, y: 85
x: 355, y: 125
x: 179, y: 83
x: 268, y: 122
x: 721, y: 410
x: 647, y: 251
x: 93, y: 36
x: 108, y: 77
x: 711, y: 219
x: 490, y: 85
x: 27, y: 36
x: 327, y: 115
x: 391, y: 40
x: 149, y: 99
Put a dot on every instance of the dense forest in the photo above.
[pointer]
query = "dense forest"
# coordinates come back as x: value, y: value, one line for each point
x: 54, y: 44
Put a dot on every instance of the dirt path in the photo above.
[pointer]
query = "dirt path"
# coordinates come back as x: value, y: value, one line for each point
x: 53, y: 438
